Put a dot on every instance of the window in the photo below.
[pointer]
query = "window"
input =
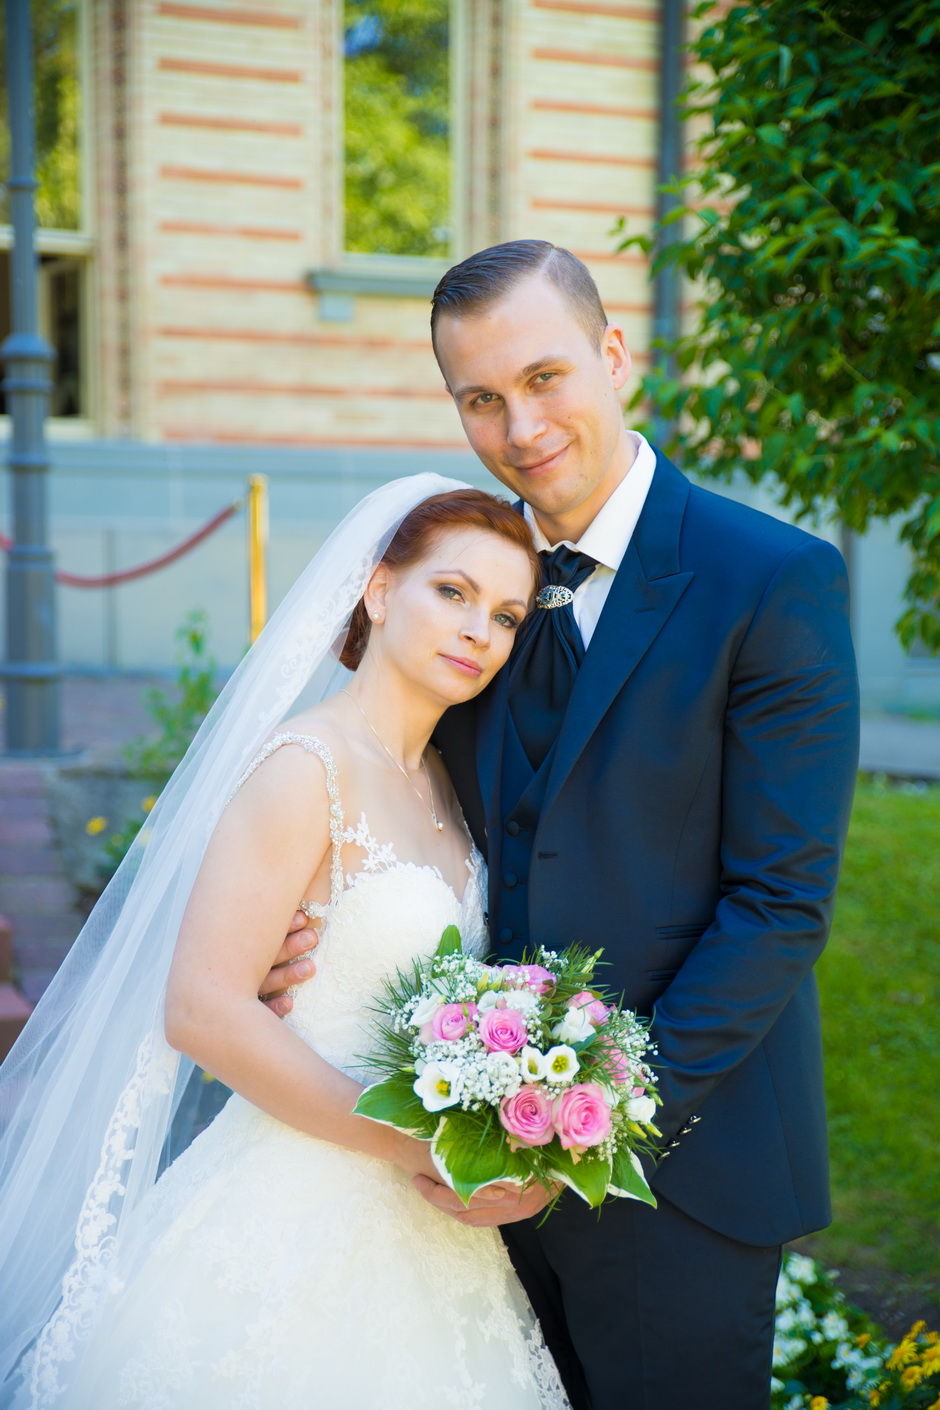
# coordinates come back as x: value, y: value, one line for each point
x: 62, y: 245
x: 398, y: 128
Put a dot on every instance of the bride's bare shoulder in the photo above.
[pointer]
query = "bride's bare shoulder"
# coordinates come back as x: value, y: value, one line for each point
x: 322, y: 722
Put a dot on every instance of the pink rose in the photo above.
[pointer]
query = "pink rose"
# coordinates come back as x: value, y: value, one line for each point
x: 532, y: 975
x: 616, y: 1066
x: 581, y: 1116
x: 528, y: 1116
x: 451, y: 1021
x: 589, y: 1004
x: 503, y: 1030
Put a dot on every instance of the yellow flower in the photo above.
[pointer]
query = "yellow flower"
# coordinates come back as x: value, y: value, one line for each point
x: 902, y: 1354
x: 819, y: 1402
x: 147, y: 803
x: 917, y: 1328
x: 911, y: 1377
x: 935, y: 1405
x: 95, y: 825
x: 864, y: 1339
x: 874, y: 1397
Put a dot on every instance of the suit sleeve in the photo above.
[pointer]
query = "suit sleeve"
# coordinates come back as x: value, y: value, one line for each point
x: 788, y: 776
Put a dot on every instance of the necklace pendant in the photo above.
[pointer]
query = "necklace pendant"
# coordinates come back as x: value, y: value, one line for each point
x: 438, y: 825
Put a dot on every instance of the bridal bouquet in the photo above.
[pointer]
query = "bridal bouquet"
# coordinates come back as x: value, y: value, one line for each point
x: 517, y: 1072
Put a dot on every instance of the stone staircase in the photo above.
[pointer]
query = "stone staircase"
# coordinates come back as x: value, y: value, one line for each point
x: 14, y: 1008
x: 36, y: 896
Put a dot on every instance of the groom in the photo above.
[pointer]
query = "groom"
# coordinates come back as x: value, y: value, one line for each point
x: 665, y: 769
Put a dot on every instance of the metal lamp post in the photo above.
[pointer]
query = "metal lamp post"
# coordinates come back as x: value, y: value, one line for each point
x: 667, y: 284
x: 30, y: 669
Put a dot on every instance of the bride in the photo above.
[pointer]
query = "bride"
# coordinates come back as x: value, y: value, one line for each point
x: 189, y: 1292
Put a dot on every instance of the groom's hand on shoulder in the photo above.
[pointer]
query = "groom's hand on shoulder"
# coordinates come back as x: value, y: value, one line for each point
x: 494, y: 1204
x: 288, y: 969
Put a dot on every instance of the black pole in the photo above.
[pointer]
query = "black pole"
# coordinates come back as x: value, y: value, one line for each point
x: 667, y: 283
x: 30, y: 670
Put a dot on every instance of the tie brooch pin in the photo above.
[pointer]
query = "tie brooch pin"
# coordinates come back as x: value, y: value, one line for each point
x: 554, y: 596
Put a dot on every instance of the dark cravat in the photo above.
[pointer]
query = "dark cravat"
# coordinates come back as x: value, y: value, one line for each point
x: 547, y: 660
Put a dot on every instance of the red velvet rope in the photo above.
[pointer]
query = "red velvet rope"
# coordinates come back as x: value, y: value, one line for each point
x: 127, y: 575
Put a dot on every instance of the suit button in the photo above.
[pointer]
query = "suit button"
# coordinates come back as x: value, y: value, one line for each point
x: 505, y: 937
x: 513, y: 828
x: 509, y: 880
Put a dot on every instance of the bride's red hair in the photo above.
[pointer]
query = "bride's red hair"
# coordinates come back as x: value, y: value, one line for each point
x: 423, y: 526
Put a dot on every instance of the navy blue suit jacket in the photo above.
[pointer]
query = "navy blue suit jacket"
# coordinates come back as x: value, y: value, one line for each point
x: 693, y: 826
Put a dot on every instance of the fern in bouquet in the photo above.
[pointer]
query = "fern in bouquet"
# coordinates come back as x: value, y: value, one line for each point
x: 516, y: 1072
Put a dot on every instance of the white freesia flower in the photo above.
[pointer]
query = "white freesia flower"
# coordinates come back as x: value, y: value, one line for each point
x: 439, y: 1086
x: 424, y: 1012
x: 574, y: 1027
x: 641, y: 1109
x: 561, y: 1064
x: 531, y: 1065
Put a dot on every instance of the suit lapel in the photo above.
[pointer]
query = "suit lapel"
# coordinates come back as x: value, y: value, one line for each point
x: 645, y: 590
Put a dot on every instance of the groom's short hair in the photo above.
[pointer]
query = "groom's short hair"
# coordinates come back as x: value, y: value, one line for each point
x: 484, y: 278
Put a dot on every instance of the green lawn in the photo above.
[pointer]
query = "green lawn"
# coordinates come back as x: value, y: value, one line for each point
x: 880, y: 989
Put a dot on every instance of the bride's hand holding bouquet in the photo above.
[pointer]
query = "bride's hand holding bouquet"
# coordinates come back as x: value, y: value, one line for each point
x: 517, y: 1073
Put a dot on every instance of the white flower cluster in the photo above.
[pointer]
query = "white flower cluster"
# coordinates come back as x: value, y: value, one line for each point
x: 800, y: 1329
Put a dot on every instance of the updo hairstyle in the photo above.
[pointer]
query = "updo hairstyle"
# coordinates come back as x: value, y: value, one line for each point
x: 428, y: 522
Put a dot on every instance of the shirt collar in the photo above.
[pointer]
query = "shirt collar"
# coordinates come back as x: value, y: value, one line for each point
x: 608, y: 535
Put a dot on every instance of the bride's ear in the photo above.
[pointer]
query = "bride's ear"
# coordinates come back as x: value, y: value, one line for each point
x: 375, y: 596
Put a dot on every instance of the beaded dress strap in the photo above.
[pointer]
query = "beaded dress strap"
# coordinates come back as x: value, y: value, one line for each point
x: 312, y: 745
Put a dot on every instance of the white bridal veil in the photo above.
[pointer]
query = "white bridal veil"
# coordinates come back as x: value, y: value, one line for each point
x: 88, y: 1093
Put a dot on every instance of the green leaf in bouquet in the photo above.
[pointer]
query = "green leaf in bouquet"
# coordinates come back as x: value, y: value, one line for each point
x: 588, y: 1177
x: 627, y: 1180
x: 394, y: 1103
x: 473, y: 1156
x: 450, y: 944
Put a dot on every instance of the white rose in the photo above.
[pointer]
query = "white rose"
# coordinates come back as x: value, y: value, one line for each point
x: 641, y: 1109
x: 488, y: 1000
x: 425, y: 1010
x: 574, y: 1027
x: 439, y: 1086
x: 531, y: 1065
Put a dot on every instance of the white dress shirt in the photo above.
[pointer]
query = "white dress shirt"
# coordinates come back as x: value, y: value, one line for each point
x: 607, y: 537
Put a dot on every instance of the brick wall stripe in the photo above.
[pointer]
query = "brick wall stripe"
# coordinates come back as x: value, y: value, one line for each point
x: 234, y: 178
x: 607, y: 257
x: 231, y: 124
x: 590, y: 207
x: 312, y: 340
x: 577, y: 56
x: 543, y: 154
x: 177, y: 386
x: 268, y: 19
x: 593, y: 7
x: 299, y: 439
x: 171, y: 65
x: 246, y: 232
x: 222, y: 281
x: 564, y: 105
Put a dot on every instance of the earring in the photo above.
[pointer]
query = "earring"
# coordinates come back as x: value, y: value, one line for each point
x: 375, y: 616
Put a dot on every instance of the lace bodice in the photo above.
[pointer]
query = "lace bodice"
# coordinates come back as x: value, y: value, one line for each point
x: 379, y: 919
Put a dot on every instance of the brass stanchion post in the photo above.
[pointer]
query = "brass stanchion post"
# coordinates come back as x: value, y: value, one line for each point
x: 257, y: 554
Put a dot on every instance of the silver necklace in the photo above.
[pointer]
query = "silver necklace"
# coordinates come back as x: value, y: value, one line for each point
x: 400, y: 767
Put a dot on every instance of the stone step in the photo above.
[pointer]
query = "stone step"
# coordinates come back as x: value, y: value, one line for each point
x: 14, y: 1011
x: 6, y: 951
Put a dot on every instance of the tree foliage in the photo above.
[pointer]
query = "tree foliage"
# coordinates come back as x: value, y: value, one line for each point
x: 813, y: 228
x: 58, y: 114
x: 397, y: 96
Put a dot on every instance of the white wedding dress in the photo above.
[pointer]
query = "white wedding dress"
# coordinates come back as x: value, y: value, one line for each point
x: 268, y: 1270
